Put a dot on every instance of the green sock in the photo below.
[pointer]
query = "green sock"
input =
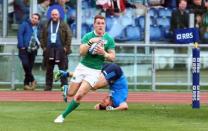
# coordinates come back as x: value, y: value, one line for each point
x: 71, y: 106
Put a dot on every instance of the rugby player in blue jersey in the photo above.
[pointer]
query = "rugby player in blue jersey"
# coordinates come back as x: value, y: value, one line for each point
x: 112, y: 76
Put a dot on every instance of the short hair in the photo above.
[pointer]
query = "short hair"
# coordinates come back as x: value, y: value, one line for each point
x: 39, y: 17
x: 182, y: 0
x: 98, y: 17
x: 102, y: 107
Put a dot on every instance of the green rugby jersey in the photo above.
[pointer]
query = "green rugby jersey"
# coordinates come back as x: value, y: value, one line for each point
x: 96, y: 61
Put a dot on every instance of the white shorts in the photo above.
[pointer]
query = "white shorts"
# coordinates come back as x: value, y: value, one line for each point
x: 85, y: 73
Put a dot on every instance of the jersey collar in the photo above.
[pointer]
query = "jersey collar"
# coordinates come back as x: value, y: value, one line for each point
x: 97, y: 34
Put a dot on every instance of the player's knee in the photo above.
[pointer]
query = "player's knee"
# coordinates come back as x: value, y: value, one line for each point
x: 70, y: 94
x: 78, y: 97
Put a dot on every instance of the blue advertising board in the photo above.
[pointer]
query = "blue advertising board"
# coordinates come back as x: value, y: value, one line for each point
x: 185, y: 36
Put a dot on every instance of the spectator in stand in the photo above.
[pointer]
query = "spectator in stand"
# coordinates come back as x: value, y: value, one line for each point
x: 113, y: 7
x: 156, y: 2
x: 73, y: 3
x: 204, y: 29
x: 10, y: 11
x: 140, y: 6
x: 22, y: 10
x: 198, y: 8
x: 171, y: 3
x: 179, y: 18
x: 42, y: 9
x: 69, y: 17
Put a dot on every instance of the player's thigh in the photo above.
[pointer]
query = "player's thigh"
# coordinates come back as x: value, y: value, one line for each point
x: 73, y: 88
x: 83, y: 90
x: 102, y: 82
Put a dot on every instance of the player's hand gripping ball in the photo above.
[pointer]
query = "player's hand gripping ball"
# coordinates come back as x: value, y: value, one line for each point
x: 92, y: 49
x: 96, y: 47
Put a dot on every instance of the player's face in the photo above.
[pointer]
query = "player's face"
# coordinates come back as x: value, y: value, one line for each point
x: 99, y: 26
x: 106, y: 102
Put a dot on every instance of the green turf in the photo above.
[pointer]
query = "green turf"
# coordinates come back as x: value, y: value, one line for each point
x: 31, y: 116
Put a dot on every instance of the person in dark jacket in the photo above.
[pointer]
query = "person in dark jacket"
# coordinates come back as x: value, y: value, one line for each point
x: 180, y: 18
x: 28, y: 44
x: 56, y: 44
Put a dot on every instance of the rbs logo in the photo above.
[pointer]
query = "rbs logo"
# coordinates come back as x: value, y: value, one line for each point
x: 184, y: 36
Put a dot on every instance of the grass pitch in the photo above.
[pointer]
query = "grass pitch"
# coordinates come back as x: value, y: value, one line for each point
x: 39, y: 116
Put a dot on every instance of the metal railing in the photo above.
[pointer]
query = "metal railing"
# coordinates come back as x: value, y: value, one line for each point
x: 144, y: 68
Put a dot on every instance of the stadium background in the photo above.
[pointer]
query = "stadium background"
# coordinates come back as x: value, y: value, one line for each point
x: 150, y: 61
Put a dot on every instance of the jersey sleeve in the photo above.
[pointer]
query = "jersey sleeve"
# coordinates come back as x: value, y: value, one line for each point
x: 111, y: 44
x: 85, y: 39
x: 112, y: 72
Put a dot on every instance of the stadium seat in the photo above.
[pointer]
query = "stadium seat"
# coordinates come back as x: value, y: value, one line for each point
x: 71, y: 12
x: 125, y: 21
x: 164, y: 12
x: 116, y: 29
x: 139, y: 21
x: 119, y: 24
x: 129, y: 12
x: 85, y: 29
x: 121, y: 37
x: 153, y: 12
x: 155, y: 33
x: 109, y: 22
x: 133, y: 33
x: 164, y: 24
x: 91, y: 28
x: 163, y: 21
x: 88, y: 15
x: 85, y: 4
